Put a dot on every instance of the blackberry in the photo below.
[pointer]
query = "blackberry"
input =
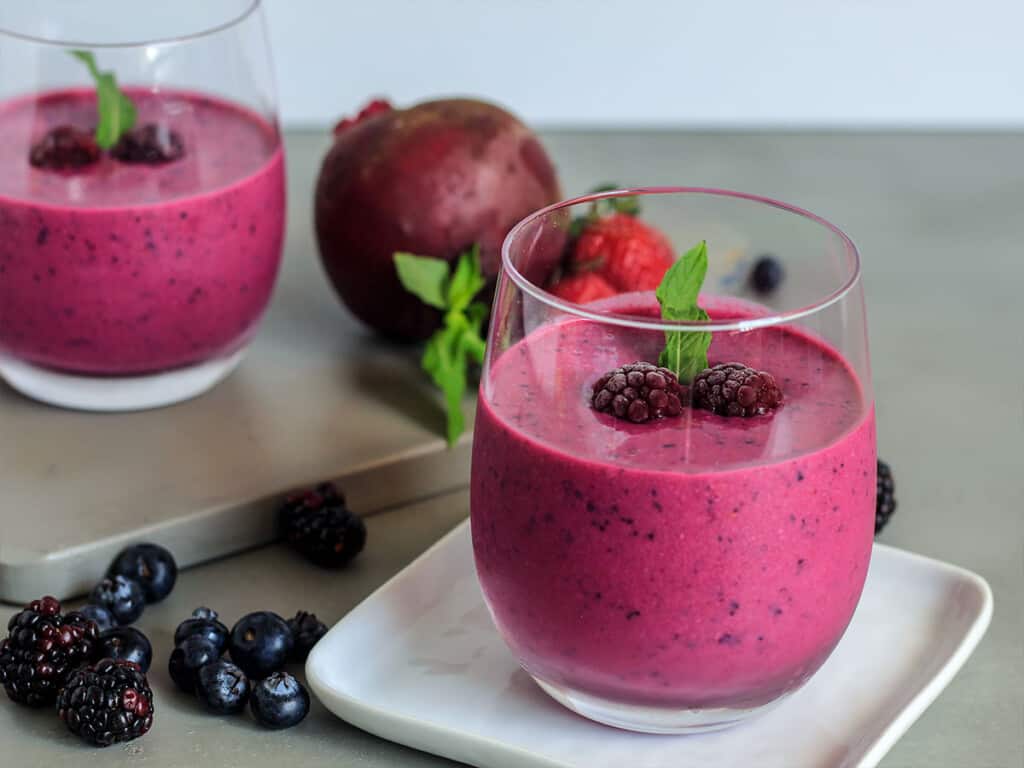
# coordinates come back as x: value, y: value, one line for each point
x: 767, y: 274
x: 65, y: 148
x: 126, y: 644
x: 104, y: 619
x: 733, y: 389
x: 188, y: 658
x: 222, y: 687
x: 123, y: 597
x: 261, y: 643
x: 320, y: 527
x: 149, y: 565
x: 885, y: 498
x: 279, y: 701
x: 307, y: 630
x: 107, y: 703
x: 210, y: 630
x: 638, y: 392
x: 151, y: 144
x: 42, y: 649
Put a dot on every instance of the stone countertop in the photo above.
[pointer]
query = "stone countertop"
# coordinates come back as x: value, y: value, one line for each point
x: 937, y: 220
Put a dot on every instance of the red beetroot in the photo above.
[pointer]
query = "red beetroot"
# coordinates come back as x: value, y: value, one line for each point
x: 432, y: 179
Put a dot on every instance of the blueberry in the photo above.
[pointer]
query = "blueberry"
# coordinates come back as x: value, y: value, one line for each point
x: 767, y: 274
x: 261, y: 643
x: 212, y: 630
x: 307, y: 630
x: 202, y: 612
x: 188, y: 658
x: 150, y: 565
x: 122, y: 597
x: 279, y: 701
x: 127, y: 644
x: 222, y: 687
x: 104, y: 619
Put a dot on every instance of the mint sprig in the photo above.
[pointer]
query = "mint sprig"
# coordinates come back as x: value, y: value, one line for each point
x: 116, y: 111
x: 686, y: 352
x: 459, y: 341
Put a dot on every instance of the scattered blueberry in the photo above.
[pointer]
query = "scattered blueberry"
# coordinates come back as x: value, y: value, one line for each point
x: 307, y: 630
x: 188, y: 658
x: 123, y: 597
x: 222, y: 687
x: 202, y: 612
x: 211, y: 630
x: 261, y: 643
x: 151, y: 566
x: 104, y: 619
x: 126, y: 644
x: 767, y: 274
x: 279, y: 701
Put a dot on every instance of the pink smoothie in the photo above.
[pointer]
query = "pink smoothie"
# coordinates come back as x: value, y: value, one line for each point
x: 694, y: 562
x: 126, y: 269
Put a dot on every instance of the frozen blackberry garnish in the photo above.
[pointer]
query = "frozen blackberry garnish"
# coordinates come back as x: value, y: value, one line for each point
x: 733, y: 389
x: 107, y: 703
x: 638, y: 392
x: 41, y: 650
x: 152, y: 144
x: 885, y: 499
x: 65, y: 148
x: 319, y: 525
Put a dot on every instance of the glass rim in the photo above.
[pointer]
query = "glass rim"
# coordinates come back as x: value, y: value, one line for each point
x: 234, y: 21
x: 633, y: 321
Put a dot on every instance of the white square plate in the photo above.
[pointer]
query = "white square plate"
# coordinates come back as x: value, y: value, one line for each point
x: 420, y: 663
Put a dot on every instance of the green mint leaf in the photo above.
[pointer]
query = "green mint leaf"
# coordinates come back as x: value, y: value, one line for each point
x: 686, y: 352
x: 424, y: 277
x: 460, y: 341
x: 467, y: 280
x: 116, y: 112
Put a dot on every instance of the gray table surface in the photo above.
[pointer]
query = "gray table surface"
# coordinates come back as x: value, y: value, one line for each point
x: 937, y: 219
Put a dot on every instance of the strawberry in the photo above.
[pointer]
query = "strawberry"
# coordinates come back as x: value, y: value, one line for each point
x: 375, y: 107
x: 629, y: 254
x: 581, y: 288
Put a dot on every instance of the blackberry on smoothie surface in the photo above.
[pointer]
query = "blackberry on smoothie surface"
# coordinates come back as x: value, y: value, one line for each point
x: 638, y: 392
x: 65, y: 148
x: 734, y: 389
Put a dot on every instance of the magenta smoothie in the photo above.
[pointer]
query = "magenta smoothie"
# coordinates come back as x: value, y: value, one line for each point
x: 693, y: 562
x: 128, y: 268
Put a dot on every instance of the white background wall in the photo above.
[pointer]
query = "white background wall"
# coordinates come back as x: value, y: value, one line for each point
x: 740, y: 63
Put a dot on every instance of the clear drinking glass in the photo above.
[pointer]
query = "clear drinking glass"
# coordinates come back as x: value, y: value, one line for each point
x: 681, y: 574
x: 135, y: 277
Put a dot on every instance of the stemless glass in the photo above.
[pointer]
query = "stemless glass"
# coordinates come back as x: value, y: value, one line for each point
x: 677, y: 575
x: 136, y: 279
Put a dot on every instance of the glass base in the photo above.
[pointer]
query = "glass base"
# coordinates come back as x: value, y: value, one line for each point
x: 662, y: 720
x: 116, y: 393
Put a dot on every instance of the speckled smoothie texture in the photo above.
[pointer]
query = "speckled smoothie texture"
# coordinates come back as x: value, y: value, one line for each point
x: 694, y: 562
x: 128, y: 269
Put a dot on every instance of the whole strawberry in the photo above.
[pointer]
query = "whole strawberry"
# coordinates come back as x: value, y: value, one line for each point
x: 628, y: 253
x: 583, y: 288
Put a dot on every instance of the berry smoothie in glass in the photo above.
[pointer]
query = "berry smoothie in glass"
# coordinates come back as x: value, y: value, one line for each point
x: 672, y: 498
x: 142, y: 198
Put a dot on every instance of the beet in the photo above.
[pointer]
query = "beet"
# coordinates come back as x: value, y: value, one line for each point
x: 432, y: 180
